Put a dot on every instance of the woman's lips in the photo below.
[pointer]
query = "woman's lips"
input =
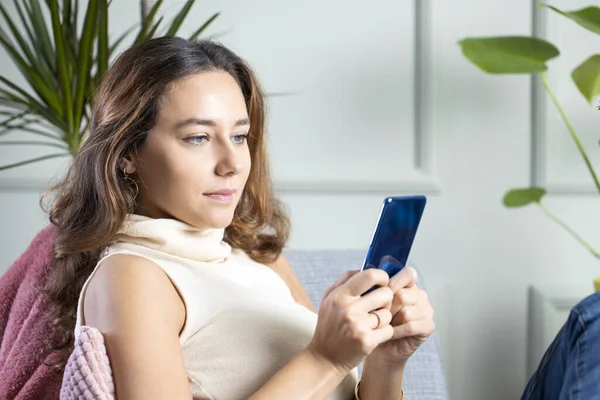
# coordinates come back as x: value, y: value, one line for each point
x: 222, y: 195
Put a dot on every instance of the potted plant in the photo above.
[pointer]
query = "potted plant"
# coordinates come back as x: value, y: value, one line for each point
x: 62, y: 64
x: 528, y: 55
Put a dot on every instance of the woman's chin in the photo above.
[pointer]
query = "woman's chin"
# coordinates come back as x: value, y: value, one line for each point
x: 219, y: 221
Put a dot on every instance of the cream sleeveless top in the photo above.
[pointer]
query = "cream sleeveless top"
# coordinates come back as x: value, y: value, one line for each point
x: 242, y: 324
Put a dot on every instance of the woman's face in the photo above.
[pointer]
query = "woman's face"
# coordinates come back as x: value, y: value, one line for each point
x: 195, y: 162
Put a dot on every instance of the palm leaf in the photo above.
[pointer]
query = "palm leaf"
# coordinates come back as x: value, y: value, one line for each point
x: 195, y: 35
x: 85, y: 48
x: 31, y: 143
x: 35, y: 80
x: 36, y: 132
x: 25, y: 128
x: 103, y: 51
x: 179, y: 18
x: 43, y: 43
x: 32, y: 104
x: 23, y: 45
x: 143, y: 33
x: 153, y: 30
x: 63, y: 67
x: 13, y: 117
x: 33, y: 160
x: 113, y: 46
x: 40, y: 63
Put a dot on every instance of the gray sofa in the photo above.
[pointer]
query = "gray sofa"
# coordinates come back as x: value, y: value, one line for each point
x: 424, y: 377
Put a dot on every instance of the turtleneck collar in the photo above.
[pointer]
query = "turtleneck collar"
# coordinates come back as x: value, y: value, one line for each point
x: 175, y: 237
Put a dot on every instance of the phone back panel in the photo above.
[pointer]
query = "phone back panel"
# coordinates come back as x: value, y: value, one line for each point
x: 394, y: 233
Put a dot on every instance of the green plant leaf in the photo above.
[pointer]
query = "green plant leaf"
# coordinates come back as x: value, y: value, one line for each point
x: 30, y: 103
x: 13, y: 117
x: 20, y: 163
x: 143, y: 33
x: 34, y: 79
x: 103, y: 50
x: 179, y: 18
x: 40, y: 63
x: 62, y: 66
x: 113, y: 46
x: 26, y: 26
x: 588, y: 17
x: 23, y: 44
x: 41, y: 33
x: 195, y: 35
x: 523, y: 197
x: 509, y: 54
x: 152, y: 31
x: 31, y: 143
x: 587, y: 78
x: 25, y: 128
x: 85, y: 48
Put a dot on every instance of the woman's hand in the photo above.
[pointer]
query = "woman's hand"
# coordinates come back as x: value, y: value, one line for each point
x: 412, y: 320
x: 347, y: 331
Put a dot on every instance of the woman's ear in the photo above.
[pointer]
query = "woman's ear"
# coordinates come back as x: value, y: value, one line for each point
x: 127, y: 165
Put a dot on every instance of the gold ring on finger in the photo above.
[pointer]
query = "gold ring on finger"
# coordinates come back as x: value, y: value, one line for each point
x: 375, y: 313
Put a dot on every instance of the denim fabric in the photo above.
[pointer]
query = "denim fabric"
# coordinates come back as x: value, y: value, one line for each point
x: 570, y: 368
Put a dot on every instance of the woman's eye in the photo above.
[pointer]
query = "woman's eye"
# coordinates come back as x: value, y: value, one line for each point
x: 196, y: 139
x: 240, y: 138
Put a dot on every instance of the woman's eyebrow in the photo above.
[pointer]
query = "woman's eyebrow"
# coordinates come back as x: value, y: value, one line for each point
x: 208, y: 122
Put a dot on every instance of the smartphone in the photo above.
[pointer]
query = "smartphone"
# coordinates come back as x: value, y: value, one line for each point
x: 394, y: 233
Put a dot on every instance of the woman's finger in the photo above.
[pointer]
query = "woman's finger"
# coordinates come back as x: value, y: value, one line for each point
x: 379, y: 298
x: 409, y: 296
x: 379, y: 318
x: 382, y: 334
x: 406, y: 278
x: 419, y: 328
x: 365, y: 280
x: 341, y: 280
x: 406, y: 314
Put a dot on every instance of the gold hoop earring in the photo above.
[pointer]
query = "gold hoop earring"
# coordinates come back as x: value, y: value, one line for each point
x: 129, y: 180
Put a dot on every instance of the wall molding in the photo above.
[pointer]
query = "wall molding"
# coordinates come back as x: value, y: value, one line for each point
x: 547, y: 311
x: 538, y: 108
x: 421, y: 186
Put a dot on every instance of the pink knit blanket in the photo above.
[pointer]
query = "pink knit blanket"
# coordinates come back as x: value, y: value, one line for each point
x: 88, y: 375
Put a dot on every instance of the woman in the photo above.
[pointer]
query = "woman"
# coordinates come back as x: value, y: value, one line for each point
x: 170, y: 243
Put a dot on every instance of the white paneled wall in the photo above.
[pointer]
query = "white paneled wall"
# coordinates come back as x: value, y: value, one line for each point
x: 384, y: 103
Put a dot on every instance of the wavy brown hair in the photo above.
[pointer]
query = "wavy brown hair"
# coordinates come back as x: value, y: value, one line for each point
x: 93, y: 200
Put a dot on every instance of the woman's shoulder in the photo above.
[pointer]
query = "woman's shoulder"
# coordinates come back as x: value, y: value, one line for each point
x: 131, y: 301
x: 126, y: 289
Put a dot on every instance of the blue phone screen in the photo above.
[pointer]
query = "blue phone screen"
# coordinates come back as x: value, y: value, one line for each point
x: 394, y: 234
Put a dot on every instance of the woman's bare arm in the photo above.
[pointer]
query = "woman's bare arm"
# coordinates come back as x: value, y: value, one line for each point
x: 140, y: 314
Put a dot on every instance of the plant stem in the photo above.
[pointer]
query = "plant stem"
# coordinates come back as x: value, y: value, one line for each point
x: 568, y: 229
x: 571, y: 130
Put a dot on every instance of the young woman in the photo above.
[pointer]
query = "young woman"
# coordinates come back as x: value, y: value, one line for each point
x: 170, y: 243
